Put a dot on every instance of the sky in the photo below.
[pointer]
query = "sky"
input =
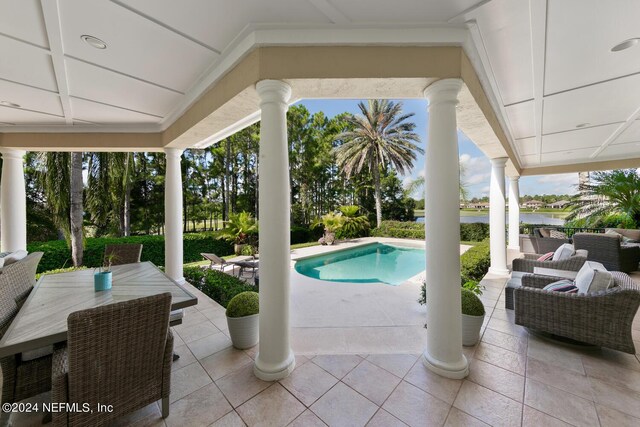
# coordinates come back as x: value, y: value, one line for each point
x: 477, y: 166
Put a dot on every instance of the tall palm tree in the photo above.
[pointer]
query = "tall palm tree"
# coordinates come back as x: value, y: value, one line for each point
x: 76, y: 212
x: 608, y: 192
x: 379, y: 137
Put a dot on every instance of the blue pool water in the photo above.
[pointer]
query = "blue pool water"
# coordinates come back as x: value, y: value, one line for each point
x: 365, y: 264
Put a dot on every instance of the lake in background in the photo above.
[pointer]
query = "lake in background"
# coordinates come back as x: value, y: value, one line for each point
x: 527, y: 218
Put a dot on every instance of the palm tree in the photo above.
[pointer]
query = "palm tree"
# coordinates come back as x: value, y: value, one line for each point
x: 418, y: 184
x: 377, y: 138
x: 76, y: 213
x: 608, y: 192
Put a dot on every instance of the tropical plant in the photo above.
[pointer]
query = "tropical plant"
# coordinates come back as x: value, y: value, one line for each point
x: 241, y: 228
x: 606, y: 193
x: 331, y: 222
x: 353, y: 225
x: 375, y: 139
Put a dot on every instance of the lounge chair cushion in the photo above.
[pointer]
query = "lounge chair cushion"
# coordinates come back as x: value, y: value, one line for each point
x: 565, y: 251
x: 628, y: 235
x: 564, y: 285
x: 593, y: 277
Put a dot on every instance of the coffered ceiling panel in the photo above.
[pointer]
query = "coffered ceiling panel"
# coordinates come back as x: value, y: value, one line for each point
x: 506, y: 34
x: 30, y: 98
x: 529, y: 160
x: 521, y: 119
x: 135, y: 46
x: 18, y: 116
x: 567, y: 157
x: 23, y: 20
x: 580, y: 35
x: 610, y: 102
x: 576, y: 139
x: 105, y: 114
x: 218, y: 22
x: 620, y: 151
x: 23, y: 63
x: 527, y: 146
x: 95, y: 83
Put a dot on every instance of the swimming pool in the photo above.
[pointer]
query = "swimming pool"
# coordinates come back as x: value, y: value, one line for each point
x: 372, y: 263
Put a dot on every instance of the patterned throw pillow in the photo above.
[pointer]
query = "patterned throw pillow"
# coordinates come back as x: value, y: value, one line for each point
x: 546, y: 257
x: 564, y: 285
x: 555, y: 234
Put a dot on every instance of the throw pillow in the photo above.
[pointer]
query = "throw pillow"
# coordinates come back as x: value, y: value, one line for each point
x: 565, y: 251
x: 593, y: 277
x: 564, y: 285
x: 15, y: 256
x: 611, y: 232
x: 546, y: 257
x: 545, y: 232
x: 555, y: 234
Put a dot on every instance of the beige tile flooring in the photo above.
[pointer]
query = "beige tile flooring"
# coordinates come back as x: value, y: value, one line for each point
x: 515, y: 379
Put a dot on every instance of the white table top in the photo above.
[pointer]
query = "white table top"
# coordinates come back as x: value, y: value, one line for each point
x: 42, y: 320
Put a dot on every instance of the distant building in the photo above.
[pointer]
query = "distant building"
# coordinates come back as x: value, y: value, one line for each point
x: 481, y: 205
x: 560, y: 204
x: 533, y: 204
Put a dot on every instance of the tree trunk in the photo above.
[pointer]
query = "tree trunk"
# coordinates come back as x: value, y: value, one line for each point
x: 76, y: 208
x: 127, y: 197
x: 226, y: 183
x: 376, y: 182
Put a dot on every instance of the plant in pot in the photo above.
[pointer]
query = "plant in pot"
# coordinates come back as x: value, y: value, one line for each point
x: 472, y: 317
x: 241, y: 229
x: 102, y: 278
x: 332, y: 223
x: 242, y: 319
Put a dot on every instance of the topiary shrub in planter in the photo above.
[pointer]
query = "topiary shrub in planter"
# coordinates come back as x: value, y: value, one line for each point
x: 472, y: 317
x: 242, y: 319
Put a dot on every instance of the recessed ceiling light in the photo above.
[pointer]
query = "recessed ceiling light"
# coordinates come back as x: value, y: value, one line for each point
x: 625, y: 44
x: 10, y: 104
x: 94, y: 41
x: 582, y: 125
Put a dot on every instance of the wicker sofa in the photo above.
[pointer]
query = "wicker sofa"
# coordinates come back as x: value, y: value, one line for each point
x: 603, y: 318
x: 608, y: 250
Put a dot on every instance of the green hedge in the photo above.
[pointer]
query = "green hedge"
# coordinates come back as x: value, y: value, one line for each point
x: 475, y: 262
x: 469, y: 232
x: 218, y: 286
x: 58, y: 255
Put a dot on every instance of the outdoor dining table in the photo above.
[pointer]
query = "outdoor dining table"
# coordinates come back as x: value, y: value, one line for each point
x: 42, y: 320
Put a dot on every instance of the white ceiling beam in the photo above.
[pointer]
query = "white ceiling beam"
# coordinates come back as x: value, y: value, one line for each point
x: 52, y: 24
x: 632, y: 118
x: 330, y: 11
x: 462, y: 16
x: 538, y: 16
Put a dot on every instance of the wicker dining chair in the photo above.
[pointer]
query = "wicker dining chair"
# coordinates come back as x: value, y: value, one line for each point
x: 23, y: 276
x: 126, y: 253
x: 119, y: 354
x: 21, y: 378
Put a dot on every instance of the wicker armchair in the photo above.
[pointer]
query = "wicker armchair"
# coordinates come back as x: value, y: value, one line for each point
x: 20, y: 378
x: 602, y: 318
x: 123, y: 254
x: 119, y: 354
x: 543, y: 245
x: 23, y: 276
x: 607, y: 250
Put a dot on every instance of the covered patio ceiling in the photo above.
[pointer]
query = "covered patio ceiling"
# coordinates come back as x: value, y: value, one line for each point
x: 542, y: 86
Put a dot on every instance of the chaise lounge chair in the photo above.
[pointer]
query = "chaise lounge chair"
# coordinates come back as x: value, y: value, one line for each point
x: 217, y: 263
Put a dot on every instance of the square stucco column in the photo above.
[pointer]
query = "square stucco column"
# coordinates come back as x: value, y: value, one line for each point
x: 13, y: 201
x: 443, y: 354
x: 514, y: 213
x: 497, y: 220
x: 275, y: 359
x: 173, y: 215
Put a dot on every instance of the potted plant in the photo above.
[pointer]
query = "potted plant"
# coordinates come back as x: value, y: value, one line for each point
x: 102, y: 278
x: 242, y: 229
x: 242, y: 319
x: 472, y: 317
x: 332, y: 223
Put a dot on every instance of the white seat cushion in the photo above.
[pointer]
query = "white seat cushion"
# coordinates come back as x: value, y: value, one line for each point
x: 593, y: 277
x: 565, y: 251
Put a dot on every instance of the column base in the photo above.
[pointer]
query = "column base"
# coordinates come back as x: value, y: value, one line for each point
x: 498, y: 271
x: 513, y: 248
x: 275, y: 373
x: 180, y: 281
x: 456, y: 371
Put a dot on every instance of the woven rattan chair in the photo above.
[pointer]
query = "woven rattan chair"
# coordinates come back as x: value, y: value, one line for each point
x: 530, y: 261
x: 20, y: 378
x: 24, y: 280
x: 118, y: 354
x: 602, y: 318
x: 543, y: 245
x: 128, y: 253
x: 607, y: 250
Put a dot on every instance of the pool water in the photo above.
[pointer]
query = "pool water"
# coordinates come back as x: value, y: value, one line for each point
x: 373, y: 263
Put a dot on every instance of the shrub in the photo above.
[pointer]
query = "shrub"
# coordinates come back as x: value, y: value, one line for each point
x: 57, y: 253
x: 300, y: 234
x: 243, y: 304
x: 469, y: 232
x: 474, y: 232
x: 475, y: 262
x: 471, y: 304
x: 217, y: 285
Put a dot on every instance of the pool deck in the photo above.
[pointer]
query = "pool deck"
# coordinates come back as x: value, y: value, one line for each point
x: 331, y: 317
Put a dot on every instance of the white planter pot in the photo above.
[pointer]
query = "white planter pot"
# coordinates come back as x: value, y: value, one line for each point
x: 244, y: 331
x: 471, y: 329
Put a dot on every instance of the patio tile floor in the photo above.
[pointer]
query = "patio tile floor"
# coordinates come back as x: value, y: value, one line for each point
x: 516, y: 379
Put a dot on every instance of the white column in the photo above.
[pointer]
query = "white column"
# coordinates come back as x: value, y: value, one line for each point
x: 13, y: 201
x: 443, y: 354
x: 274, y: 359
x: 497, y: 226
x: 173, y: 215
x: 514, y: 213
